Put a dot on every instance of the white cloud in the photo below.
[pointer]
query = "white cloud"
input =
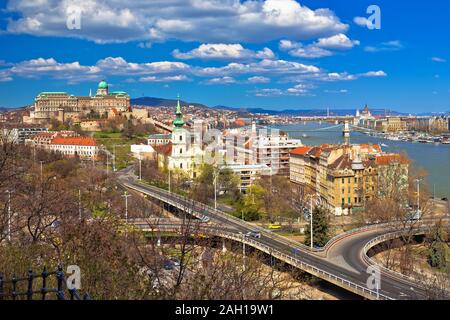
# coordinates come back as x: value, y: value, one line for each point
x: 320, y: 48
x: 258, y: 79
x: 394, y: 45
x: 341, y: 91
x: 265, y: 66
x: 374, y: 74
x: 187, y: 20
x: 437, y: 59
x: 361, y: 21
x: 339, y: 41
x: 165, y: 79
x: 223, y: 52
x: 299, y: 90
x: 221, y: 80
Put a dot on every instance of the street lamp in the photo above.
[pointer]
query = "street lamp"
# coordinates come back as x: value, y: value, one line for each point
x: 126, y: 195
x: 79, y: 203
x: 418, y: 180
x: 169, y: 180
x: 215, y: 190
x: 311, y: 196
x: 311, y: 223
x: 114, y: 158
x: 140, y: 167
x: 41, y: 169
x: 9, y: 215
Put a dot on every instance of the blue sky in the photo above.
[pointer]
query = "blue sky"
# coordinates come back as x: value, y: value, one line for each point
x: 275, y: 54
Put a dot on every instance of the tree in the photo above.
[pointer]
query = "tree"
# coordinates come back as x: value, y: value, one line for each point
x: 320, y: 228
x: 437, y: 251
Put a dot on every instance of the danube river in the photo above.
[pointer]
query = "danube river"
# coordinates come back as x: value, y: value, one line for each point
x: 433, y: 158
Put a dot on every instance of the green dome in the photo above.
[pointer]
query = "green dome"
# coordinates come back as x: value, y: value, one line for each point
x: 103, y: 85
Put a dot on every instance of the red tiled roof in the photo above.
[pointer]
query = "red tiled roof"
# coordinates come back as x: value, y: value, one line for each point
x: 386, y: 159
x: 301, y: 150
x: 77, y: 141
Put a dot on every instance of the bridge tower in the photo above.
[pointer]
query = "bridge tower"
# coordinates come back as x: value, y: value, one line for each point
x: 346, y: 133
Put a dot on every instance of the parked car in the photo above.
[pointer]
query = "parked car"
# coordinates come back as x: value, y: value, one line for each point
x: 168, y: 265
x: 274, y: 226
x: 205, y: 219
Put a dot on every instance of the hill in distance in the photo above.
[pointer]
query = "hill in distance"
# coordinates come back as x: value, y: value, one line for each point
x: 161, y: 102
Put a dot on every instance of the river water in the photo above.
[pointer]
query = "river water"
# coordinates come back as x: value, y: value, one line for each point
x: 433, y: 158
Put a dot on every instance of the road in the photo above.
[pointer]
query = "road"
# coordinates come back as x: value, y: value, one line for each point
x: 343, y: 262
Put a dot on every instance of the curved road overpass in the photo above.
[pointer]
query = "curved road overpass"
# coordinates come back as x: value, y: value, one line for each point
x: 343, y: 262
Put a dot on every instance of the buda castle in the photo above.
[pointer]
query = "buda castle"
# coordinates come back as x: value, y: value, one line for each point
x: 63, y: 107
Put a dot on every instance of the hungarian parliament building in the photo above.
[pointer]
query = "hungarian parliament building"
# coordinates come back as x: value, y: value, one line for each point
x: 64, y: 107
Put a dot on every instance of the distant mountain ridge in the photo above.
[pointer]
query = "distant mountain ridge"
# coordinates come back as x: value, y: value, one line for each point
x: 157, y: 102
x: 310, y: 112
x: 161, y: 102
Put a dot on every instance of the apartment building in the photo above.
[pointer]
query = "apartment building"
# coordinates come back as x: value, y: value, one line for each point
x: 85, y: 148
x: 344, y: 177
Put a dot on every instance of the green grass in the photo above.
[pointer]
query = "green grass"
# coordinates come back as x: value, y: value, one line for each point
x: 123, y: 149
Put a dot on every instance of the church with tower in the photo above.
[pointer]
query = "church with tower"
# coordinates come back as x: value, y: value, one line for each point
x: 187, y: 145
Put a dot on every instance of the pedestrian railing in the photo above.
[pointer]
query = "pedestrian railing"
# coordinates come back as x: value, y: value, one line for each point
x: 36, y: 286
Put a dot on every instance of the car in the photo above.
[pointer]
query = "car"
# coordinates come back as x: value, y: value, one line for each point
x: 254, y: 234
x: 175, y: 261
x: 444, y: 199
x: 168, y: 265
x: 274, y: 226
x: 205, y: 219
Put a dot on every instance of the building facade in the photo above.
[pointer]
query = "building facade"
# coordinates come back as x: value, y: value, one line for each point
x: 63, y: 106
x: 85, y: 148
x: 344, y: 177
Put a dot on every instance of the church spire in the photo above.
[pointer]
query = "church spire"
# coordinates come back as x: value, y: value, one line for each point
x: 178, y: 123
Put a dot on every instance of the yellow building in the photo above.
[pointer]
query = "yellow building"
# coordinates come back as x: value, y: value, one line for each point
x: 344, y: 177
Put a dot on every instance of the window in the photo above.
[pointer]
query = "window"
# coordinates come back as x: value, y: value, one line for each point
x: 349, y: 200
x: 343, y: 201
x: 181, y: 166
x: 343, y: 190
x: 181, y: 138
x: 181, y: 150
x: 343, y: 180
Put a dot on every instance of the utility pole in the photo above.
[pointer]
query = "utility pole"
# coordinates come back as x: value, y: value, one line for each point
x: 107, y: 163
x: 169, y: 180
x: 79, y: 203
x: 9, y: 215
x: 311, y: 221
x: 41, y: 169
x: 418, y: 196
x: 140, y: 167
x: 126, y: 195
x: 215, y: 191
x: 114, y: 158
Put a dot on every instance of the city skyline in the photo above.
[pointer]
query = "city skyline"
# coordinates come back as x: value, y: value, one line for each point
x: 274, y: 54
